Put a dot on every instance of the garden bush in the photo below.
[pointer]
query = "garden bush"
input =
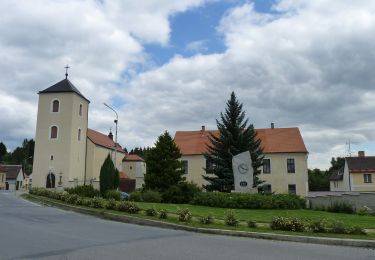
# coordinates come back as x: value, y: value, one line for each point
x: 111, y: 204
x: 288, y: 224
x: 249, y: 201
x: 163, y: 214
x: 113, y: 194
x: 97, y: 202
x: 84, y: 191
x: 183, y: 192
x: 184, y: 215
x: 252, y: 224
x: 231, y: 219
x: 207, y: 220
x: 127, y: 206
x: 72, y: 198
x: 319, y: 226
x: 151, y: 212
x: 341, y: 207
x: 145, y: 196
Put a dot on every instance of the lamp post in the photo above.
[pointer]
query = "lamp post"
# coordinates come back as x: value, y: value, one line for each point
x: 116, y: 122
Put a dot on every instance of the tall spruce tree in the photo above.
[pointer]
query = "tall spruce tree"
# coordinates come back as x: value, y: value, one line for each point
x: 235, y: 136
x: 163, y: 166
x: 107, y: 173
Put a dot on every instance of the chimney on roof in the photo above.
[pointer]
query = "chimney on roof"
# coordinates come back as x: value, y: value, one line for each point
x: 110, y: 135
x: 272, y: 125
x: 361, y: 153
x: 203, y: 128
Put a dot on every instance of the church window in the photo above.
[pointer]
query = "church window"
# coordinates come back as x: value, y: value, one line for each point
x: 80, y: 109
x: 55, y: 106
x: 53, y: 134
x: 79, y: 134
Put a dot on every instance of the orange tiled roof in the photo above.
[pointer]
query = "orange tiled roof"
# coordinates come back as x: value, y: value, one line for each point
x: 276, y: 140
x: 133, y: 157
x: 103, y: 140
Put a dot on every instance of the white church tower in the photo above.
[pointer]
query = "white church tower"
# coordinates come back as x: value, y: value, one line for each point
x: 60, y: 140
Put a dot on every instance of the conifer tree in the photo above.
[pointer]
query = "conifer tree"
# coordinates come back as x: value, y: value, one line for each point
x: 163, y: 166
x: 107, y: 173
x: 116, y: 179
x: 235, y: 136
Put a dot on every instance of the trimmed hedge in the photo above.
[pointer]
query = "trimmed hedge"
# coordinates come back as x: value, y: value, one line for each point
x: 249, y: 201
x: 84, y: 191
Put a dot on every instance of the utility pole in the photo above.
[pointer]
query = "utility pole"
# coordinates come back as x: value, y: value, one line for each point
x: 348, y: 143
x: 116, y: 122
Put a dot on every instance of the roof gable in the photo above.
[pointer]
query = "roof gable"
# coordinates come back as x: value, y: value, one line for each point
x: 133, y: 157
x: 103, y: 140
x: 361, y: 163
x: 275, y: 140
x: 11, y: 171
x: 63, y: 86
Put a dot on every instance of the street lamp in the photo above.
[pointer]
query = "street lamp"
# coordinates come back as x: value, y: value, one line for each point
x: 116, y: 122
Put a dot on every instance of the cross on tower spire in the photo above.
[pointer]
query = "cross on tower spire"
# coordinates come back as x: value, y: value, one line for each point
x: 66, y: 71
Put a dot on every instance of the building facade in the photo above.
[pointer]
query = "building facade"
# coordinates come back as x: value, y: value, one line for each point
x: 67, y: 153
x: 134, y: 167
x: 285, y: 158
x: 14, y: 176
x: 357, y: 174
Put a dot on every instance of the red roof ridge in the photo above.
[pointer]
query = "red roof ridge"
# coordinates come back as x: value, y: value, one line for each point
x: 133, y: 157
x: 103, y: 140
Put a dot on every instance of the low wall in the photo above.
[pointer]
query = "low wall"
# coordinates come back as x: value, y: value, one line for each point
x: 359, y: 200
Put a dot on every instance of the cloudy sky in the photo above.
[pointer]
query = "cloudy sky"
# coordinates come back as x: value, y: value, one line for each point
x: 171, y: 65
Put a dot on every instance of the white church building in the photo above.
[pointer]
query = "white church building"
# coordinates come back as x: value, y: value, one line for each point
x: 67, y: 153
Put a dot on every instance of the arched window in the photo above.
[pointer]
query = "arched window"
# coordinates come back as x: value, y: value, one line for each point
x: 55, y: 106
x: 50, y: 181
x: 79, y: 134
x: 53, y: 134
x: 80, y: 109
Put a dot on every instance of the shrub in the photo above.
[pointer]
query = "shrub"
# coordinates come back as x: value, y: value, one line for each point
x: 113, y: 194
x: 151, y: 196
x: 249, y: 201
x: 339, y: 227
x: 72, y: 198
x: 163, y: 214
x: 151, y: 212
x: 97, y: 202
x: 231, y: 219
x: 252, y: 224
x: 127, y: 206
x: 184, y: 215
x: 288, y: 224
x: 84, y: 191
x: 319, y: 226
x: 86, y: 202
x: 341, y: 207
x: 135, y: 196
x: 207, y: 220
x: 182, y: 192
x: 111, y: 204
x: 357, y: 231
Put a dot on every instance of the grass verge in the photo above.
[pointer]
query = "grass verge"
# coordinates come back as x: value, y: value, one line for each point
x: 198, y: 212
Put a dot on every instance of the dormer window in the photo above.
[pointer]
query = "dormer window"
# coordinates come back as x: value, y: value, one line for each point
x: 55, y: 106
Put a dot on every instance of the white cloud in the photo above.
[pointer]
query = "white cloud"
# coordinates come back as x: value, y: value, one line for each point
x: 197, y: 46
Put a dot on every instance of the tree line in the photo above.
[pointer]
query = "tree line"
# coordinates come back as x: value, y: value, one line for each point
x: 22, y: 155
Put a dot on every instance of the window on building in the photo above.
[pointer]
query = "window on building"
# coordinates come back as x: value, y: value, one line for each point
x: 51, y: 157
x: 266, y: 166
x: 80, y: 109
x: 79, y: 134
x: 367, y: 178
x: 335, y: 184
x: 184, y: 167
x: 292, y: 189
x: 53, y: 134
x: 290, y: 165
x: 55, y: 106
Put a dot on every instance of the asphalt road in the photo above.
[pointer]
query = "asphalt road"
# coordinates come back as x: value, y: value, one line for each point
x: 29, y: 231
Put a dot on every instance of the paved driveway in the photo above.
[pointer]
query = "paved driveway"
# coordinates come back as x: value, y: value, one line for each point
x: 29, y: 231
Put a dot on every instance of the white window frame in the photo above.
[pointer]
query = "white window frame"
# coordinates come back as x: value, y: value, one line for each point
x: 294, y: 165
x: 269, y: 167
x: 367, y: 178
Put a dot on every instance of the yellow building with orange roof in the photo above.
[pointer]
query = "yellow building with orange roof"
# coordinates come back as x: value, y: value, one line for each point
x: 285, y: 158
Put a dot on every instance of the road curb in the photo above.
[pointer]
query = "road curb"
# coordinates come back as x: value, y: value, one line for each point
x: 160, y: 224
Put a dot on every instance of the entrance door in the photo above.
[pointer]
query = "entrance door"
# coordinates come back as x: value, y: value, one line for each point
x: 7, y: 186
x: 50, y: 182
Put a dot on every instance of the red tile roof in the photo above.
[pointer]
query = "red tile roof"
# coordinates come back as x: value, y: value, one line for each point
x: 103, y: 140
x: 133, y: 157
x: 276, y: 140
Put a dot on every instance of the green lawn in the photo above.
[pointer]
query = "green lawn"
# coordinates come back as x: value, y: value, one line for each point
x: 266, y: 215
